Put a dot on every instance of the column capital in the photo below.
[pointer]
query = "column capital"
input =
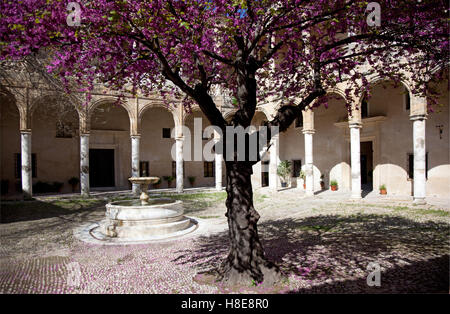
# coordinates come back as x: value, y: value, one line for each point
x: 179, y: 138
x: 308, y: 131
x: 418, y: 117
x: 355, y: 125
x: 135, y: 135
x: 85, y: 134
x: 25, y: 131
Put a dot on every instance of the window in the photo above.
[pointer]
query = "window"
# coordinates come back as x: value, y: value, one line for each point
x: 407, y: 99
x: 411, y: 166
x: 18, y: 166
x: 364, y: 108
x: 166, y: 132
x: 299, y: 122
x: 174, y: 169
x: 144, y: 170
x: 208, y: 169
x: 297, y: 167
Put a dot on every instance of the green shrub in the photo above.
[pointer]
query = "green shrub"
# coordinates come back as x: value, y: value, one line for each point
x: 284, y: 170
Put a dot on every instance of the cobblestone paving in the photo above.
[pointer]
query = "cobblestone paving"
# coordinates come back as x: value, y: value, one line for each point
x: 323, y: 244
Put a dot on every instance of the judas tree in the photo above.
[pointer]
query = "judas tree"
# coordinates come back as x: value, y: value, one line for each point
x: 290, y: 51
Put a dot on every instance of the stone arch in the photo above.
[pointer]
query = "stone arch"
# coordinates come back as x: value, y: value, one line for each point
x: 259, y: 112
x: 375, y: 81
x: 108, y: 100
x: 229, y: 114
x: 8, y: 98
x: 195, y: 108
x: 158, y: 104
x: 10, y: 116
x: 54, y: 106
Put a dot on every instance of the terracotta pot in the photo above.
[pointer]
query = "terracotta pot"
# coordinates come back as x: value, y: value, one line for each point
x: 322, y: 185
x: 334, y: 188
x: 383, y: 191
x: 304, y: 186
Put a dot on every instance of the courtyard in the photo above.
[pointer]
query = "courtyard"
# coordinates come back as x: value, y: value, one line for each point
x: 323, y: 244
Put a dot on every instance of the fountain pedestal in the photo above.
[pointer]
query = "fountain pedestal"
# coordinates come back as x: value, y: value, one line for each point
x: 143, y: 183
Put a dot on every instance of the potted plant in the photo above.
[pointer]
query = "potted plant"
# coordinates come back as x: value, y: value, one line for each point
x: 57, y: 186
x: 73, y: 182
x: 322, y: 183
x: 284, y: 171
x: 169, y: 180
x: 303, y: 177
x: 157, y: 184
x: 383, y: 189
x: 334, y: 185
x: 191, y: 180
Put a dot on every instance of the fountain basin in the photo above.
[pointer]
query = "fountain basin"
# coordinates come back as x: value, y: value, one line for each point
x: 161, y: 218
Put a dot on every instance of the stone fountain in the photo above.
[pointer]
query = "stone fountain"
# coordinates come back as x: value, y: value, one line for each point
x: 143, y: 219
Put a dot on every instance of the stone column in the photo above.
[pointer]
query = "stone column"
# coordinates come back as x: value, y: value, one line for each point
x: 419, y: 159
x: 135, y: 153
x: 84, y: 164
x: 179, y: 164
x: 273, y: 162
x: 27, y: 183
x: 218, y: 158
x: 219, y: 161
x: 309, y: 162
x: 355, y: 158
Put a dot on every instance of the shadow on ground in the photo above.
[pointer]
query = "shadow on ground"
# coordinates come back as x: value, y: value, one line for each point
x: 330, y: 254
x: 35, y: 209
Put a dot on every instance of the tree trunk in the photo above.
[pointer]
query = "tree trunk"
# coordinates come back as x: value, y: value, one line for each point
x: 246, y: 263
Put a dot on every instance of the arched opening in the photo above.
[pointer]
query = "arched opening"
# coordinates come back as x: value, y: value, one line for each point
x: 10, y: 145
x: 331, y: 148
x: 389, y: 129
x: 438, y: 138
x: 157, y: 126
x: 55, y: 149
x: 109, y: 147
x: 260, y: 176
x: 200, y: 170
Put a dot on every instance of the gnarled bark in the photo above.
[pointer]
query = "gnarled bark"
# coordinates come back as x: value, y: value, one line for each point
x: 246, y: 262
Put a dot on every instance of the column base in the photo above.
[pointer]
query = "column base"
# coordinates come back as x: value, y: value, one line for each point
x: 356, y: 196
x: 309, y: 193
x: 419, y: 201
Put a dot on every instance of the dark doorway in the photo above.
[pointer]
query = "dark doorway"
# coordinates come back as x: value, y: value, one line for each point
x: 366, y: 166
x: 264, y: 173
x: 101, y: 168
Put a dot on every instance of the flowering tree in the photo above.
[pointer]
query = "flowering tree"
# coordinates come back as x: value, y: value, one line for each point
x: 260, y: 50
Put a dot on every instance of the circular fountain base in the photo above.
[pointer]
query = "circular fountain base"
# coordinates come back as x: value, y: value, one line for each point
x: 131, y: 222
x: 159, y: 218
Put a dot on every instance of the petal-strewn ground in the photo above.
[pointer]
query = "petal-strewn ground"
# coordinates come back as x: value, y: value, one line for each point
x: 324, y: 244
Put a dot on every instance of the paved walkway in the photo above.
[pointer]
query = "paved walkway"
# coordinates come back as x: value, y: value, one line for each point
x: 324, y: 244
